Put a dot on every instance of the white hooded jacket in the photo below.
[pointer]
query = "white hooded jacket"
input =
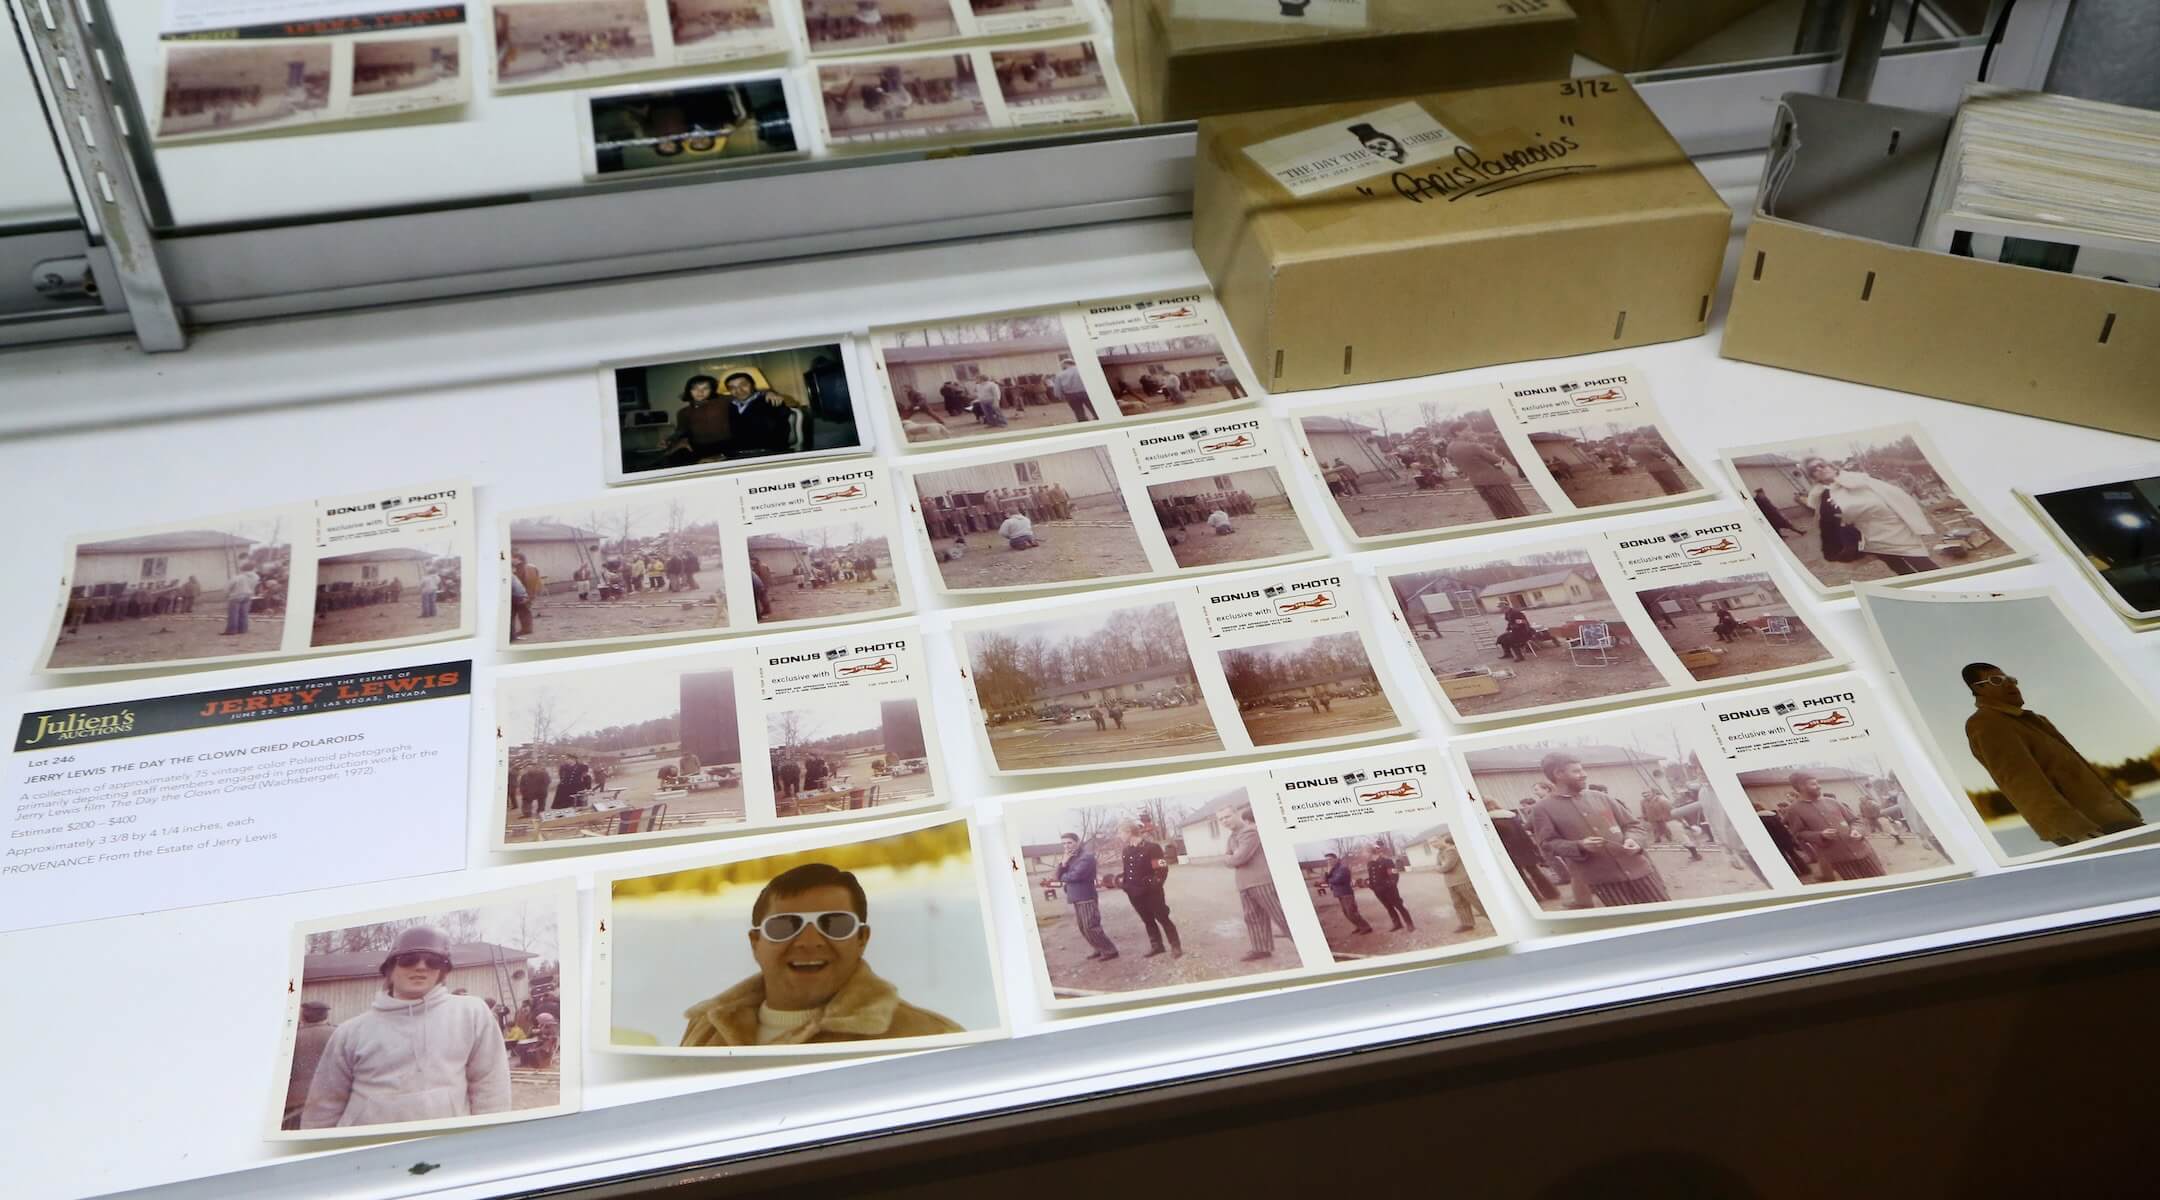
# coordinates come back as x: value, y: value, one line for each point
x: 411, y: 1060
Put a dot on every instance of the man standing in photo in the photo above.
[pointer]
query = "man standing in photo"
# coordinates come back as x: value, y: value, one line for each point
x: 308, y: 1042
x: 1486, y: 471
x: 1650, y: 455
x: 1824, y: 825
x: 239, y: 598
x: 1142, y: 871
x: 419, y: 1053
x: 1515, y: 839
x: 1383, y: 877
x: 1256, y: 887
x: 1072, y: 389
x: 1461, y: 895
x: 809, y: 928
x: 1601, y: 840
x: 2056, y: 789
x: 1344, y: 889
x: 431, y: 586
x: 1076, y: 876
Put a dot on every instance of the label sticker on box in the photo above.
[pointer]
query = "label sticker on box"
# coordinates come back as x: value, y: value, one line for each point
x: 1364, y: 147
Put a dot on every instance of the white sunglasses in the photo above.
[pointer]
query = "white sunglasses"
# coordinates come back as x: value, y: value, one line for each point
x: 784, y: 927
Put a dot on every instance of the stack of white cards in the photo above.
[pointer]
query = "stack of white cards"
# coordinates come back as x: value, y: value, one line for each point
x: 2051, y: 182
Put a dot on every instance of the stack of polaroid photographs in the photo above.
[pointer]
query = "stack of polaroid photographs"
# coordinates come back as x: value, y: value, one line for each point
x: 231, y: 70
x: 1870, y: 506
x: 389, y: 568
x: 1476, y: 459
x: 1771, y: 795
x: 1606, y: 619
x: 597, y: 753
x: 551, y: 43
x: 2109, y: 523
x: 893, y: 101
x: 2052, y: 744
x: 2051, y: 182
x: 1276, y: 875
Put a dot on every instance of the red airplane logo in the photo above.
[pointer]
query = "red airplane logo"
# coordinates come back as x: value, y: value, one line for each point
x: 1831, y: 721
x: 1322, y: 600
x: 1171, y: 315
x: 847, y: 493
x: 1719, y: 546
x: 1399, y: 791
x: 1595, y: 397
x: 1237, y: 443
x: 869, y: 668
x: 431, y: 511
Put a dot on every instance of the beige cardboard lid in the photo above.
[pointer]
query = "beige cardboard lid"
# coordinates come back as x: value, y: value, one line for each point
x: 1203, y: 26
x: 1529, y: 155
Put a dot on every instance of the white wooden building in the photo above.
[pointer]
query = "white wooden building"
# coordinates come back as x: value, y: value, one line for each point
x: 399, y: 564
x: 1263, y: 486
x: 782, y: 557
x: 1564, y: 449
x: 349, y: 981
x: 927, y: 368
x: 1131, y: 685
x: 1779, y: 478
x: 1333, y: 438
x: 1571, y: 586
x: 1086, y: 475
x: 1753, y: 595
x: 1206, y: 832
x: 158, y: 558
x: 556, y: 550
x: 1127, y: 364
x: 1768, y: 789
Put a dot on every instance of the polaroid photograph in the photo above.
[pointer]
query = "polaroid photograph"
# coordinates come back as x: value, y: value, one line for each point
x: 1239, y: 879
x: 1146, y: 678
x: 2050, y: 742
x: 447, y: 1015
x: 729, y: 409
x: 1012, y: 375
x: 688, y: 126
x: 552, y: 43
x: 714, y: 31
x: 650, y: 745
x: 1494, y: 456
x: 396, y: 74
x: 1769, y: 795
x: 867, y: 941
x: 1875, y: 506
x: 1110, y: 506
x: 958, y: 95
x: 2109, y: 524
x: 305, y: 70
x: 227, y: 88
x: 1622, y: 617
x: 379, y: 571
x: 703, y: 558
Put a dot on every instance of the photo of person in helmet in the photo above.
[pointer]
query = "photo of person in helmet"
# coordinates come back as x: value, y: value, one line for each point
x: 420, y: 1052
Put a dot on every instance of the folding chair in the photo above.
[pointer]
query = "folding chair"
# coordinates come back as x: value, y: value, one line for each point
x: 1777, y: 629
x: 1593, y: 643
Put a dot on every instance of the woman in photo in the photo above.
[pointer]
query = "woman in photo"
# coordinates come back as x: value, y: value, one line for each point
x: 1860, y: 514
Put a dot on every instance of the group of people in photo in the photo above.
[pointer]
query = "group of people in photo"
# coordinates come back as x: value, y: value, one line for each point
x: 1218, y: 511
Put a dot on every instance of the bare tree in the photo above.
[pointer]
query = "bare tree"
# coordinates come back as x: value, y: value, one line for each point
x: 542, y: 716
x: 788, y: 729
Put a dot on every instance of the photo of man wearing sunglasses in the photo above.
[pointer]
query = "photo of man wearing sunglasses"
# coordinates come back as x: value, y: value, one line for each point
x: 809, y: 928
x: 418, y: 1053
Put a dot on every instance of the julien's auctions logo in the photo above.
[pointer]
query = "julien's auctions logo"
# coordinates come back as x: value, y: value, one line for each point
x: 1821, y: 722
x: 1406, y: 789
x: 1710, y: 546
x: 1239, y: 442
x: 853, y: 491
x: 879, y: 664
x: 1604, y: 395
x: 1312, y: 603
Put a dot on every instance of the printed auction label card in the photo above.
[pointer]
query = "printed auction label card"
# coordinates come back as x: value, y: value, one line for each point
x: 121, y: 803
x: 1364, y: 147
x: 1341, y: 864
x: 1118, y: 505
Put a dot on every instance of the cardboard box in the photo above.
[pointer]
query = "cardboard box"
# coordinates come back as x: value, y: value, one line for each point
x: 1197, y: 58
x: 1564, y: 220
x: 1635, y: 35
x: 1831, y: 284
x: 1468, y: 687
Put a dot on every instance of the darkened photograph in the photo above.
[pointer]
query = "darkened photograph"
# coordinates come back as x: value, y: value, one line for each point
x: 686, y: 128
x: 734, y: 407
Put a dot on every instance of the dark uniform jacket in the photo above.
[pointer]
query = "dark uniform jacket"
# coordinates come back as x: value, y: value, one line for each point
x: 1562, y: 822
x: 1143, y: 868
x: 1815, y: 821
x: 2044, y: 777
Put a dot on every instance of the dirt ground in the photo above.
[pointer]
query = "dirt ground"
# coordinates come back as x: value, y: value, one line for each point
x: 1685, y: 879
x: 1807, y: 549
x: 1271, y: 530
x: 1210, y: 917
x: 376, y: 622
x: 1424, y: 893
x: 1148, y: 733
x: 854, y: 771
x: 1913, y: 855
x: 1751, y: 652
x: 1591, y: 488
x: 1194, y: 398
x: 173, y: 637
x: 1273, y: 726
x: 1548, y: 677
x: 791, y: 603
x: 640, y: 781
x: 535, y: 1088
x: 562, y: 617
x: 1377, y: 514
x: 1070, y: 550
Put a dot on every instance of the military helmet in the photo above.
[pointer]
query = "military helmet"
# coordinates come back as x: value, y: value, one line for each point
x: 424, y: 939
